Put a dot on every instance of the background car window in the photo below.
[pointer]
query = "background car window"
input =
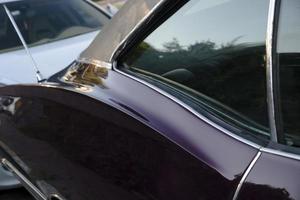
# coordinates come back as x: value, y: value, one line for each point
x: 288, y: 49
x: 214, y: 52
x: 43, y: 21
x: 8, y: 36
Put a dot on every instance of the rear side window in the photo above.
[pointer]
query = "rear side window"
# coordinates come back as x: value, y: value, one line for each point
x: 288, y: 52
x: 213, y: 52
x: 8, y: 37
x: 44, y: 21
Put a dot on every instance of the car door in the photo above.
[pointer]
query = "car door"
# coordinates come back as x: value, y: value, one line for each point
x: 275, y: 175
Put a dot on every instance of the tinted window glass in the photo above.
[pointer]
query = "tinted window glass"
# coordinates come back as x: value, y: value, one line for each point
x: 43, y: 21
x: 214, y: 52
x: 289, y: 59
x: 2, y: 23
x: 8, y: 36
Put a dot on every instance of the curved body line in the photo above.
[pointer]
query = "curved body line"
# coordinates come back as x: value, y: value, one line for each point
x: 245, y: 175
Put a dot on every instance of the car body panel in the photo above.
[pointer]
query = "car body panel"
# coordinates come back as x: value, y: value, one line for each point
x: 273, y: 177
x: 202, y: 160
x: 219, y: 155
x: 263, y: 182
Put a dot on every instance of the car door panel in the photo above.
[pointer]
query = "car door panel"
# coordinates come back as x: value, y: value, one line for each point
x: 274, y: 177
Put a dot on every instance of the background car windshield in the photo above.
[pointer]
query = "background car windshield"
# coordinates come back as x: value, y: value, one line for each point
x: 8, y: 36
x: 44, y: 21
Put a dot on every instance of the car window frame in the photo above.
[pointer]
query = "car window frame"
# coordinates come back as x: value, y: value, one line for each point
x: 150, y: 22
x: 146, y: 25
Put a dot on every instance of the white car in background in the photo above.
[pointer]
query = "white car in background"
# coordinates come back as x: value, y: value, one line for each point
x: 40, y: 37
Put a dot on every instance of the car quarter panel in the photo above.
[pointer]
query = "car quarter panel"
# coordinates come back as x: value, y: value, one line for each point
x: 273, y: 177
x: 88, y: 143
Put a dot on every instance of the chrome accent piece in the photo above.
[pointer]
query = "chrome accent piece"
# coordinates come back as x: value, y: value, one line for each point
x: 15, y: 157
x: 55, y: 197
x: 49, y: 190
x: 125, y: 41
x: 86, y: 73
x: 35, y: 192
x: 37, y: 71
x: 190, y: 109
x: 245, y: 175
x: 95, y: 62
x: 281, y: 153
x: 270, y: 83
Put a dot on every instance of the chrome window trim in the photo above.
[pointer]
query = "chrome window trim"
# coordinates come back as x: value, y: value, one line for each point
x: 119, y: 49
x: 269, y: 54
x: 187, y: 107
x: 55, y: 196
x: 95, y: 62
x: 269, y: 69
x: 281, y: 153
x: 245, y: 175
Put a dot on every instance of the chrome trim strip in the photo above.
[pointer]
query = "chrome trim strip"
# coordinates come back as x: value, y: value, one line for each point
x: 35, y: 192
x: 245, y: 175
x: 55, y: 197
x: 97, y: 63
x: 281, y: 153
x: 270, y: 80
x: 12, y: 20
x: 190, y: 109
x: 125, y: 41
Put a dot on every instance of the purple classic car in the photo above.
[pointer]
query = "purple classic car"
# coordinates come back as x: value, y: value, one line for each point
x: 174, y: 100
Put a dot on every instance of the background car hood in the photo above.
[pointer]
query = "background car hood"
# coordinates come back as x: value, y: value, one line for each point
x: 16, y: 66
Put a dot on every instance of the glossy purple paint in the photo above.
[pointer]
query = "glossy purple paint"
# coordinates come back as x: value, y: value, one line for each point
x: 273, y: 177
x: 222, y: 153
